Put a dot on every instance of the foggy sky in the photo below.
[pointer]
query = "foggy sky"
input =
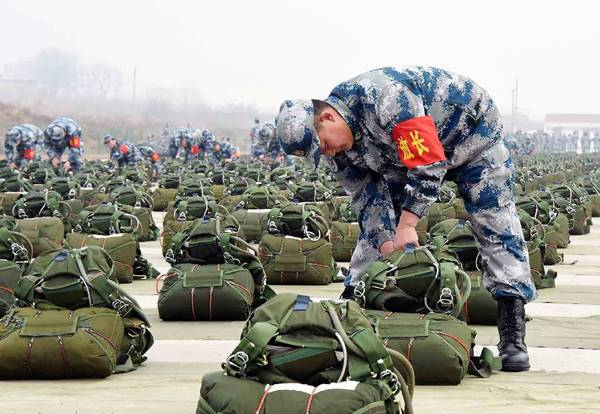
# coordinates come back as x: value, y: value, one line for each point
x: 262, y: 52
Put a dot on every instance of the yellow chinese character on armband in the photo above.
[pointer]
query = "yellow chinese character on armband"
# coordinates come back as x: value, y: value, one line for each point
x: 403, y: 145
x: 418, y: 142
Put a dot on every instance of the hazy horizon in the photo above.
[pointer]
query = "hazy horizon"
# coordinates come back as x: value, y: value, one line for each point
x: 259, y: 53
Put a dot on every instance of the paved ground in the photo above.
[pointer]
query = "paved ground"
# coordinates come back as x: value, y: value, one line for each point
x: 564, y: 340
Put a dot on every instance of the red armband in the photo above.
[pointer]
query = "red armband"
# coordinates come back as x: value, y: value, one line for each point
x: 418, y: 142
x: 75, y: 142
x: 123, y: 149
x: 195, y: 149
x: 155, y: 156
x: 28, y: 153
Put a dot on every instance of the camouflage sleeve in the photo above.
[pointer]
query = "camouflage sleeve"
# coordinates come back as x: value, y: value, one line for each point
x: 371, y: 201
x: 396, y: 105
x: 76, y: 154
x: 49, y: 148
x: 9, y: 149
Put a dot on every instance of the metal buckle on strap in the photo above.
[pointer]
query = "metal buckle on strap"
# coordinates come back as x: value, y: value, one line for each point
x: 17, y: 249
x: 170, y: 256
x: 182, y: 216
x: 121, y: 307
x: 236, y: 363
x: 391, y: 380
x: 272, y: 227
x: 359, y: 292
x: 21, y: 213
x: 230, y: 259
x: 446, y: 300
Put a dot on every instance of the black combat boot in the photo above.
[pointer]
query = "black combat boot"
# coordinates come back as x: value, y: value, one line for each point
x: 511, y: 326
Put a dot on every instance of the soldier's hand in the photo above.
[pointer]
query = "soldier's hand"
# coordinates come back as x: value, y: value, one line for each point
x: 386, y: 247
x: 12, y: 165
x: 67, y: 166
x: 406, y: 233
x: 404, y: 237
x: 55, y: 162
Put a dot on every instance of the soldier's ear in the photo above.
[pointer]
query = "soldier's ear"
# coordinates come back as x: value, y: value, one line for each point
x: 327, y: 115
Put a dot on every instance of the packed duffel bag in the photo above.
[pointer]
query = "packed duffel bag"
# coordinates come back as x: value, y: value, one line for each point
x: 438, y: 346
x: 60, y: 343
x: 253, y: 223
x: 221, y: 393
x: 44, y: 233
x: 192, y: 292
x: 8, y: 201
x: 292, y: 261
x: 161, y: 197
x: 148, y: 230
x: 120, y: 247
x: 480, y: 308
x: 343, y: 237
x: 10, y: 273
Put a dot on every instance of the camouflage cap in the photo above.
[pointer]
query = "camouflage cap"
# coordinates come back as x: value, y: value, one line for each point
x: 56, y: 132
x: 296, y: 130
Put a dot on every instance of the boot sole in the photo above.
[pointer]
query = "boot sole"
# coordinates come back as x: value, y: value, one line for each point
x: 515, y: 367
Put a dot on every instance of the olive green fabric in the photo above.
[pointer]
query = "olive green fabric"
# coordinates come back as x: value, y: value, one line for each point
x: 120, y: 247
x: 53, y: 343
x: 206, y: 292
x: 343, y: 237
x: 252, y: 222
x: 438, y: 212
x: 161, y: 197
x: 413, y: 280
x: 260, y: 197
x: 224, y: 394
x: 10, y: 273
x: 108, y: 218
x: 294, y: 261
x: 298, y: 220
x: 291, y: 339
x: 8, y: 201
x: 44, y: 233
x: 438, y: 346
x: 480, y: 308
x: 457, y: 236
x: 192, y: 208
x: 148, y: 230
x: 170, y: 228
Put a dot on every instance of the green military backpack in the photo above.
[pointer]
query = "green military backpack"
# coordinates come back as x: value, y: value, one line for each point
x: 312, y: 191
x: 15, y: 183
x: 195, y: 207
x: 66, y: 187
x: 342, y: 209
x: 239, y: 186
x: 458, y: 236
x: 190, y: 188
x: 260, y: 197
x: 413, y: 280
x: 41, y: 175
x: 481, y: 308
x: 169, y: 181
x: 41, y: 204
x: 533, y: 229
x: 212, y: 241
x: 298, y: 220
x: 130, y: 196
x: 328, y: 346
x: 74, y: 279
x: 106, y: 219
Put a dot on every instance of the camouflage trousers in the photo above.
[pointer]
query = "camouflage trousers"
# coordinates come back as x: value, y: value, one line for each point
x: 487, y: 186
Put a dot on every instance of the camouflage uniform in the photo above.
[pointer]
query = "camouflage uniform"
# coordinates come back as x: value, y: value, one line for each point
x: 176, y: 148
x: 22, y: 144
x: 152, y: 155
x: 64, y: 134
x: 458, y: 111
x: 254, y: 132
x: 126, y: 153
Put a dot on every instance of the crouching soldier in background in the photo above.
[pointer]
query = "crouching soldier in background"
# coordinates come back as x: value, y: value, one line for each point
x: 22, y: 145
x: 392, y: 136
x: 150, y: 154
x: 64, y: 134
x: 123, y: 152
